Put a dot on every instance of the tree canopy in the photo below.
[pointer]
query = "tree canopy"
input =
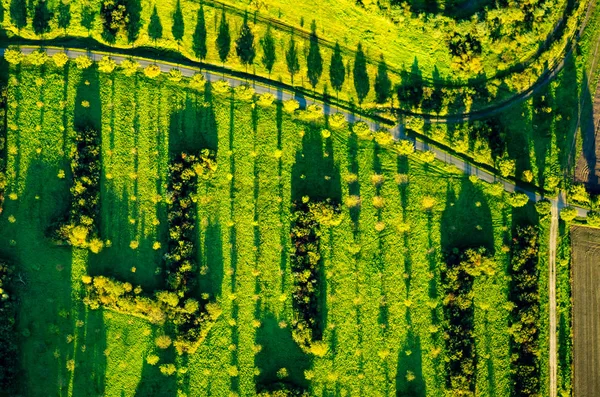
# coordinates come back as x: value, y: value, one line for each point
x: 199, y: 38
x: 18, y: 13
x: 41, y: 18
x: 223, y: 38
x: 314, y: 61
x: 291, y: 58
x: 244, y: 45
x: 383, y: 85
x: 337, y: 71
x: 64, y: 15
x: 361, y: 77
x: 268, y: 46
x: 178, y: 27
x: 155, y: 29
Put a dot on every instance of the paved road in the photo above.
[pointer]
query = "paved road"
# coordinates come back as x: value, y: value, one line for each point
x: 398, y: 131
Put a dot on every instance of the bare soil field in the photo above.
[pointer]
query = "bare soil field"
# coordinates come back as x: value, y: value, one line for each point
x: 586, y: 311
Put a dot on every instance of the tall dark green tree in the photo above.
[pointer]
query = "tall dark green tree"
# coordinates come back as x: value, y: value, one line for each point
x: 223, y: 38
x: 361, y: 77
x: 268, y: 46
x: 155, y: 29
x: 199, y: 39
x: 337, y: 71
x: 314, y: 60
x: 244, y: 45
x: 410, y: 90
x: 178, y: 27
x: 18, y: 13
x: 64, y: 15
x: 41, y: 18
x: 291, y: 58
x: 383, y: 84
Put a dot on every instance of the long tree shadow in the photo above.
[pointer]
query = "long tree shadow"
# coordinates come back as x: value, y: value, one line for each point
x: 140, y: 263
x: 90, y: 360
x: 211, y: 260
x: 315, y: 174
x: 152, y: 381
x: 566, y: 114
x: 42, y: 323
x: 466, y: 221
x: 279, y: 350
x: 194, y: 127
x: 541, y: 121
x: 587, y: 168
x: 409, y: 375
x: 88, y: 105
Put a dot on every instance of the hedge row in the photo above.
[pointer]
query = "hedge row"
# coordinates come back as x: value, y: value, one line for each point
x: 161, y: 307
x: 81, y: 228
x: 525, y: 315
x: 184, y: 171
x: 307, y: 221
x: 458, y: 275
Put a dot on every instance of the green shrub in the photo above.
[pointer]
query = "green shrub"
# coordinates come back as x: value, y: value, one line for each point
x: 152, y: 71
x: 175, y: 75
x: 37, y: 58
x: 543, y: 208
x: 106, y: 64
x: 14, y: 56
x: 60, y: 59
x: 568, y: 214
x: 221, y: 86
x: 518, y: 200
x: 266, y: 100
x: 83, y: 62
x: 129, y: 67
x: 291, y: 105
x: 593, y: 218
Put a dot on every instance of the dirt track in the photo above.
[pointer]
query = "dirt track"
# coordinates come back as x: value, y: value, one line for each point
x: 586, y: 311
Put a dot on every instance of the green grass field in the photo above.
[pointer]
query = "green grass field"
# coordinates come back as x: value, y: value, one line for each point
x: 383, y: 293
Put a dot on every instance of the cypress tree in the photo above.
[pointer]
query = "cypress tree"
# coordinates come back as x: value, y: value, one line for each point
x: 361, y: 77
x: 178, y: 27
x: 64, y: 15
x: 244, y: 45
x: 87, y: 18
x: 155, y: 29
x: 291, y: 58
x: 314, y: 61
x: 18, y: 13
x: 337, y: 71
x: 199, y: 39
x: 41, y: 18
x: 268, y: 46
x: 223, y: 38
x: 383, y: 85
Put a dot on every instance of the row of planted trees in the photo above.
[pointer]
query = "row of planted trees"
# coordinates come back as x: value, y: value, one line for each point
x: 121, y: 18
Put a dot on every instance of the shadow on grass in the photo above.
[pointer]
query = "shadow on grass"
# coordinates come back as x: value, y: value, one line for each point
x: 587, y: 168
x: 152, y: 381
x: 566, y: 114
x: 88, y: 106
x: 354, y: 186
x: 194, y: 127
x: 90, y: 360
x: 466, y: 221
x: 409, y: 375
x: 211, y: 260
x: 140, y: 265
x: 315, y: 174
x: 279, y: 350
